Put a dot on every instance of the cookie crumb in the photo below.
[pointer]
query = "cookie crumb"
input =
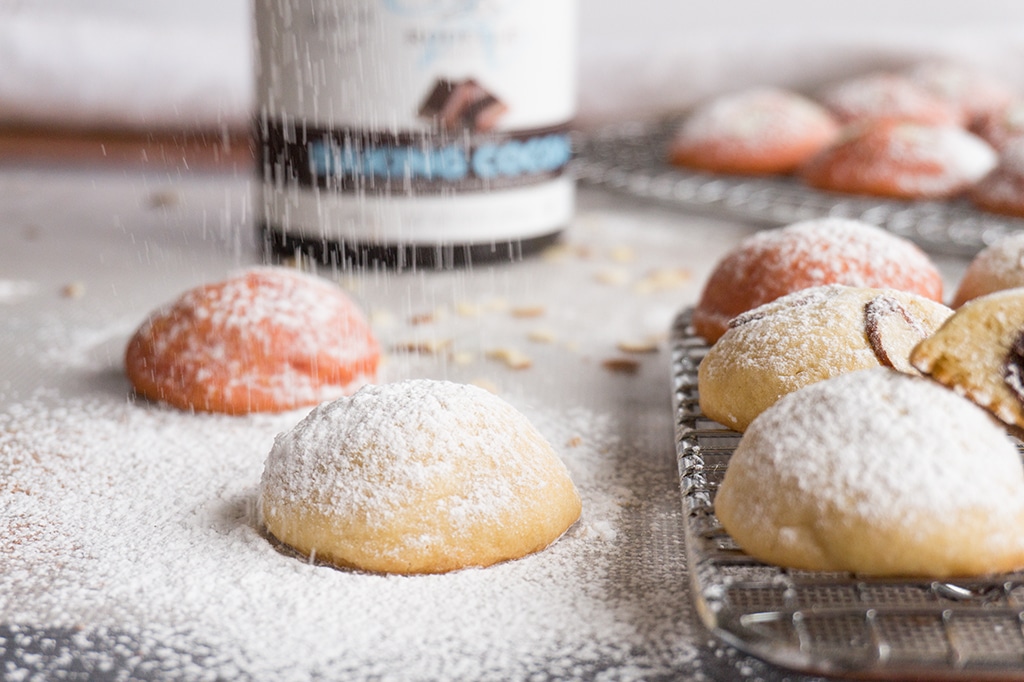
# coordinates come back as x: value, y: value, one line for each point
x: 647, y: 345
x: 621, y: 365
x: 73, y: 290
x: 528, y: 311
x: 513, y: 358
x: 662, y: 279
x: 542, y: 336
x: 424, y: 346
x: 612, y: 276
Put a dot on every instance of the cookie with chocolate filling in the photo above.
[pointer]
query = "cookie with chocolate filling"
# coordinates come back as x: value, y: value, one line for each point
x: 979, y: 353
x: 806, y: 337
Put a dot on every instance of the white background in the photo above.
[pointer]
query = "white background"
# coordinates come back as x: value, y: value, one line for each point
x: 173, y: 63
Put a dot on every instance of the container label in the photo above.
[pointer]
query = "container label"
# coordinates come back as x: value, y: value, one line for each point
x: 410, y: 163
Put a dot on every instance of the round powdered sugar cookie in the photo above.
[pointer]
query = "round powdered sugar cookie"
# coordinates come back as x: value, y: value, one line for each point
x: 975, y: 92
x: 418, y: 476
x: 753, y: 132
x: 1002, y: 190
x: 773, y: 263
x: 996, y: 267
x: 998, y: 128
x: 877, y: 473
x: 902, y: 160
x: 806, y: 337
x: 265, y: 340
x: 888, y: 97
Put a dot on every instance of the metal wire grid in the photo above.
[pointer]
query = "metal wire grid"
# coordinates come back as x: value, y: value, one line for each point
x: 631, y: 158
x: 828, y: 623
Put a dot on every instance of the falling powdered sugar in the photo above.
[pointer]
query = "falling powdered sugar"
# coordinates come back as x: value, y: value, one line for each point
x: 131, y: 541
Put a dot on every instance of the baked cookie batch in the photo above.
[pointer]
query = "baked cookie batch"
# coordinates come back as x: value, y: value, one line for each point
x: 404, y: 477
x: 875, y: 419
x: 876, y: 422
x: 934, y: 131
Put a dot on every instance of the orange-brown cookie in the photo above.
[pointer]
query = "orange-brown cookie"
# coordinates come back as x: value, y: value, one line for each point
x: 976, y: 93
x: 887, y: 97
x: 776, y: 262
x: 902, y: 161
x: 753, y: 132
x: 996, y: 267
x: 877, y: 473
x: 999, y: 127
x: 266, y: 340
x: 1002, y: 190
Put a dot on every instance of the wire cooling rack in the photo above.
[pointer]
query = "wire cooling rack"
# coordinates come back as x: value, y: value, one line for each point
x: 630, y: 157
x: 828, y: 623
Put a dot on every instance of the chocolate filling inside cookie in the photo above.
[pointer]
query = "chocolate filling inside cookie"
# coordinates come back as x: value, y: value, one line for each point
x: 1013, y: 367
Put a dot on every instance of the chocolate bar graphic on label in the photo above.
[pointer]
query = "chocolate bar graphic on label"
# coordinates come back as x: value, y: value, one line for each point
x: 463, y: 104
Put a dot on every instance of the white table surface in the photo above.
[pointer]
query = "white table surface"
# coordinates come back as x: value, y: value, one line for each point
x: 126, y: 242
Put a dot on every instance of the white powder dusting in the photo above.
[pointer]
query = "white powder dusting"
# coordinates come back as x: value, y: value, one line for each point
x: 886, y: 95
x: 950, y: 158
x: 884, y: 446
x: 13, y: 290
x: 136, y: 524
x: 755, y: 119
x: 827, y: 251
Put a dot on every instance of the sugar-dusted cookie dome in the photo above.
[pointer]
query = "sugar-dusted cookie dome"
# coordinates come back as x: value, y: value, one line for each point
x: 996, y: 267
x: 901, y: 160
x: 877, y: 473
x: 753, y: 132
x: 809, y: 336
x: 417, y: 476
x: 773, y: 263
x: 265, y: 340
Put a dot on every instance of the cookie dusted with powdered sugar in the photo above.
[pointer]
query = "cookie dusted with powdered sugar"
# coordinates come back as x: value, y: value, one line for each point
x: 752, y: 132
x: 996, y: 267
x: 1002, y: 190
x: 773, y: 263
x: 887, y: 97
x: 265, y: 340
x: 809, y: 336
x: 417, y: 476
x: 877, y: 473
x: 901, y: 160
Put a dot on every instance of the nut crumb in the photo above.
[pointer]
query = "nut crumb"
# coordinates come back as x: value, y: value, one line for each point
x: 662, y: 279
x: 558, y: 252
x: 162, y: 199
x: 621, y: 365
x: 623, y: 254
x: 486, y: 384
x: 463, y: 357
x: 426, y: 346
x: 528, y: 311
x: 542, y: 336
x: 428, y: 318
x: 648, y: 345
x: 495, y: 305
x: 612, y: 276
x: 381, y: 317
x: 513, y: 358
x: 574, y: 442
x: 73, y: 290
